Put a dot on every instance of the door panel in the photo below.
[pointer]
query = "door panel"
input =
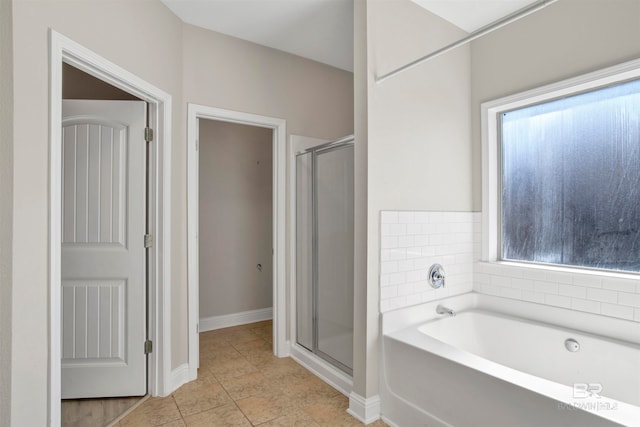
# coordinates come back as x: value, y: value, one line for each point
x: 94, y: 182
x: 103, y: 254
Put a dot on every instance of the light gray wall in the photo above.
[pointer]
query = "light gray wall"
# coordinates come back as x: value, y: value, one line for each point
x: 566, y: 39
x: 235, y: 218
x: 316, y: 100
x: 418, y: 151
x: 146, y: 39
x: 6, y: 207
x: 364, y: 326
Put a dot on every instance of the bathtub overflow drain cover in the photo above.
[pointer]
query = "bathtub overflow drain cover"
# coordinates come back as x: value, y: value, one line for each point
x: 572, y: 345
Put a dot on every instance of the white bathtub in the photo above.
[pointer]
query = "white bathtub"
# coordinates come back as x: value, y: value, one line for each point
x: 501, y: 362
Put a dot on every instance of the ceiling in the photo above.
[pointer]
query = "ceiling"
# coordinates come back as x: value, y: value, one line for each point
x: 471, y: 15
x: 321, y: 30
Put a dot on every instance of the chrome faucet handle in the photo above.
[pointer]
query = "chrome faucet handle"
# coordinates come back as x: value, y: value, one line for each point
x: 436, y: 276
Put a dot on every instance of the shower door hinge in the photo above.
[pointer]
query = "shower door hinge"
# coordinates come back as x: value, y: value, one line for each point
x: 148, y: 134
x: 148, y: 240
x: 148, y: 346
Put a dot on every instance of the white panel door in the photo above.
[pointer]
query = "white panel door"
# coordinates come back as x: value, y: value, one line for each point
x: 103, y: 254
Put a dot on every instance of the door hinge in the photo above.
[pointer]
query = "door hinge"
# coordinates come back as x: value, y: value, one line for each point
x: 197, y: 145
x: 148, y: 134
x: 148, y: 240
x: 148, y: 346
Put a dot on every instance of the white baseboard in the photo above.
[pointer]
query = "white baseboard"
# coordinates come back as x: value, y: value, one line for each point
x: 179, y: 377
x: 322, y: 369
x: 235, y: 319
x: 365, y: 410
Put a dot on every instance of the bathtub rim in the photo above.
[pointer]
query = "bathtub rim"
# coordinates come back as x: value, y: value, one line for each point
x: 590, y: 323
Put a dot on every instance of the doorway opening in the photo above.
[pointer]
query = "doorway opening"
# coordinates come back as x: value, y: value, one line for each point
x: 235, y: 235
x: 277, y: 128
x: 64, y: 53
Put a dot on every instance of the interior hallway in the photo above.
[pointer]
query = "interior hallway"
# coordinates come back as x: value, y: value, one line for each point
x: 241, y: 383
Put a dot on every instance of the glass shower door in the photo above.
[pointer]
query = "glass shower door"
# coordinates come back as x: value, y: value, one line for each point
x: 324, y: 253
x: 334, y: 243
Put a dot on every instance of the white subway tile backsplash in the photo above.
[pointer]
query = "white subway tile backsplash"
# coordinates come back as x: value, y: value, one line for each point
x: 590, y: 281
x: 406, y: 217
x: 411, y: 241
x: 417, y: 275
x: 524, y: 284
x: 438, y: 217
x: 406, y: 265
x: 414, y: 228
x: 559, y: 277
x: 406, y: 241
x: 414, y: 252
x: 511, y: 293
x: 622, y: 285
x: 533, y: 296
x: 396, y: 229
x: 421, y: 217
x: 572, y: 291
x: 602, y: 295
x: 585, y: 305
x: 534, y: 274
x: 397, y: 278
x: 388, y: 217
x: 545, y: 287
x: 632, y: 300
x: 557, y: 300
x: 501, y: 281
x: 389, y: 267
x: 388, y: 292
x: 388, y: 242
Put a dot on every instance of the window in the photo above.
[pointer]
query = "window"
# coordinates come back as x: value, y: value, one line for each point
x: 568, y: 177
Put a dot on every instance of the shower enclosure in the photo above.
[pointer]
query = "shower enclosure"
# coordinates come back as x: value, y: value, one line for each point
x: 324, y: 252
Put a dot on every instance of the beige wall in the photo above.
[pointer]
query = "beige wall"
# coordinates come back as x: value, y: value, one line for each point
x: 222, y: 71
x: 235, y: 218
x: 362, y: 318
x: 6, y: 206
x: 418, y: 155
x: 316, y: 100
x: 146, y: 39
x: 566, y: 39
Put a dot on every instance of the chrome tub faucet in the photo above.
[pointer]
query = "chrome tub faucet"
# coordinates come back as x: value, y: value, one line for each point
x: 441, y: 309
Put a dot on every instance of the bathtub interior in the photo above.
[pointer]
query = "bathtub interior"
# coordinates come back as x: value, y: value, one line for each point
x: 540, y: 350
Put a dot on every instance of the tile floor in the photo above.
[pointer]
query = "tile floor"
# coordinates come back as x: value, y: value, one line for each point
x: 241, y: 383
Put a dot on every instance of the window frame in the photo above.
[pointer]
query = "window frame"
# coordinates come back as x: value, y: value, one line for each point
x: 491, y: 152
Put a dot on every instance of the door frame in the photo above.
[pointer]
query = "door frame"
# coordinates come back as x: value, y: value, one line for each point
x: 64, y: 50
x: 195, y: 112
